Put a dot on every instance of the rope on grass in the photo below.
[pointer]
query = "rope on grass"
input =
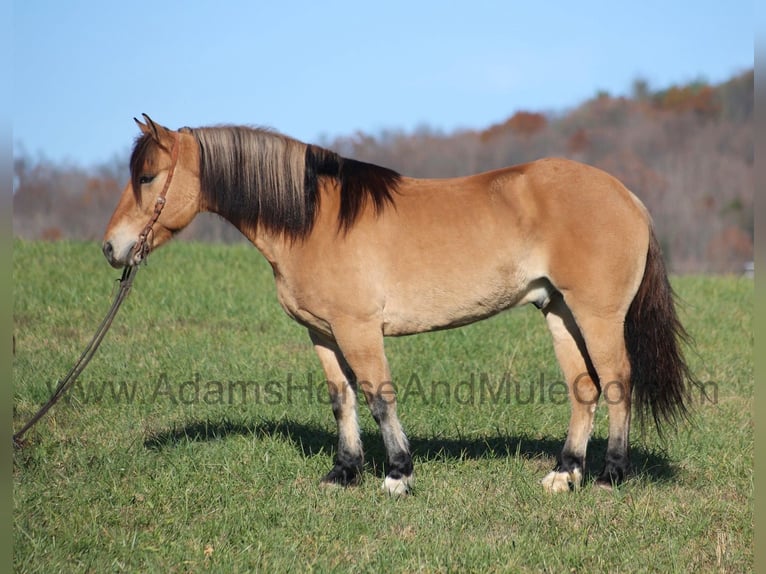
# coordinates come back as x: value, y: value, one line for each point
x: 126, y: 281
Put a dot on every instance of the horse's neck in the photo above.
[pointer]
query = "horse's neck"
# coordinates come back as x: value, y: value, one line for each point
x: 272, y: 246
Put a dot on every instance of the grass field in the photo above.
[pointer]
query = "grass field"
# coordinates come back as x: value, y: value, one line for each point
x: 196, y: 438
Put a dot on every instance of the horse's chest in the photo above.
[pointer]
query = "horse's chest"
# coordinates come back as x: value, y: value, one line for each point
x: 294, y: 303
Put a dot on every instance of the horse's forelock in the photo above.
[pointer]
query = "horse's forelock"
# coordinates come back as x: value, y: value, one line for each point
x: 141, y: 148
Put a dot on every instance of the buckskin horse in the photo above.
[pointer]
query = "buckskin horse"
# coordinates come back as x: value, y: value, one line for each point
x: 360, y: 252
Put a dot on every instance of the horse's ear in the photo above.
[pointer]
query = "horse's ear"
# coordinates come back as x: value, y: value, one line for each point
x: 159, y: 133
x: 143, y: 127
x: 155, y: 129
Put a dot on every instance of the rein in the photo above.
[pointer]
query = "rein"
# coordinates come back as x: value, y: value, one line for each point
x: 126, y: 281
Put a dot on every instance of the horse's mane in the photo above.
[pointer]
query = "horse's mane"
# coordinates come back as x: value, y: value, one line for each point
x: 255, y: 175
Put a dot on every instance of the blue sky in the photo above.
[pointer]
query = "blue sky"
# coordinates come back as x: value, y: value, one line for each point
x: 82, y: 68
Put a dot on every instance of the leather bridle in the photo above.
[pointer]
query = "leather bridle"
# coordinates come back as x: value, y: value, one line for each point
x: 141, y: 248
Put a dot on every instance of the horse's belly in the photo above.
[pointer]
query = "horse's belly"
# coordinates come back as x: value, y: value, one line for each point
x: 446, y: 306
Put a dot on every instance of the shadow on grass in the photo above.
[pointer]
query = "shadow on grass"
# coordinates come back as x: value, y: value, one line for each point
x: 313, y: 440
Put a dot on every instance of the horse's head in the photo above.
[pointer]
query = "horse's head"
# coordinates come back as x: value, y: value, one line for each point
x: 161, y: 198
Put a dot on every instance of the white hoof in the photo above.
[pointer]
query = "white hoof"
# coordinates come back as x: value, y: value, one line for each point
x: 398, y: 486
x: 560, y: 481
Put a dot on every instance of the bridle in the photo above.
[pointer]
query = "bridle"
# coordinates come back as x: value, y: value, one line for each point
x: 141, y: 249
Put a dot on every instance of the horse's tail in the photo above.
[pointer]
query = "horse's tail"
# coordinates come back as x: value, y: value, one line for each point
x: 660, y: 378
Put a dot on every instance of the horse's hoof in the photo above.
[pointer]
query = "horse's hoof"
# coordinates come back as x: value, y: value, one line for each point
x: 398, y: 486
x: 608, y: 480
x: 605, y: 484
x: 341, y: 477
x: 556, y: 481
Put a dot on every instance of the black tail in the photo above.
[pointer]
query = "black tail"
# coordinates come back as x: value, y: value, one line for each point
x: 660, y: 379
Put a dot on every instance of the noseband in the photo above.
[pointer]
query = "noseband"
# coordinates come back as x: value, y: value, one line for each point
x: 142, y: 246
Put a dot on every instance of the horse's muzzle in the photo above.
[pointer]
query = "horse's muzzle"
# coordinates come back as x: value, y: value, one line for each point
x: 116, y: 259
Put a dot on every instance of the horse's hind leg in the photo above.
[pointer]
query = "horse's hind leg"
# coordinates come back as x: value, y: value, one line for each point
x: 605, y: 339
x: 341, y: 385
x: 604, y: 336
x: 583, y: 395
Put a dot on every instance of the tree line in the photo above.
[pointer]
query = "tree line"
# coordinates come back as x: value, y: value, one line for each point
x: 686, y: 150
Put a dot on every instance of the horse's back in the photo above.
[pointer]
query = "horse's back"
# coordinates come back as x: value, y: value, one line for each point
x: 559, y: 187
x: 551, y: 204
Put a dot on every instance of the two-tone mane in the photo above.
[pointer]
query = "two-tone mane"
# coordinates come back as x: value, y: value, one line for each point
x: 255, y: 175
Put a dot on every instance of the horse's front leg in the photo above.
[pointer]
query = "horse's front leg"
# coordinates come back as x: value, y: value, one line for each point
x: 341, y: 385
x: 362, y: 346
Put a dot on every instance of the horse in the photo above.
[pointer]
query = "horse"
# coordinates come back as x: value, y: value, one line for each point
x: 360, y: 252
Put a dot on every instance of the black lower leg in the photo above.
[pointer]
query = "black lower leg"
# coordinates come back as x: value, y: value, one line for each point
x: 399, y: 465
x: 399, y: 459
x: 616, y: 468
x: 347, y: 470
x: 569, y: 462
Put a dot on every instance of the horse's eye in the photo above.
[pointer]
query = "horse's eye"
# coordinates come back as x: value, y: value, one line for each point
x: 145, y: 179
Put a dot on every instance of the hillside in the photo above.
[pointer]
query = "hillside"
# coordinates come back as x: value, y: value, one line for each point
x: 687, y: 151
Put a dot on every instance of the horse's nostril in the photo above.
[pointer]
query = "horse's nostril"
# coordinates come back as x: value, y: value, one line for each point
x: 108, y: 250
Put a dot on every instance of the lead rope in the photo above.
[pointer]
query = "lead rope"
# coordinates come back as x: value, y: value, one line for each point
x: 126, y: 281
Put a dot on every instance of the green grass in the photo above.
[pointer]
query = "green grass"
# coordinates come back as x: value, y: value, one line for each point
x: 173, y: 476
